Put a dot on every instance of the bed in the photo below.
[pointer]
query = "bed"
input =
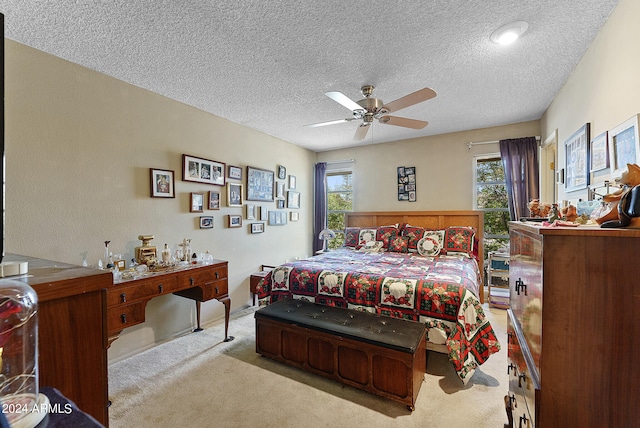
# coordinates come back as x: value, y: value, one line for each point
x: 422, y: 266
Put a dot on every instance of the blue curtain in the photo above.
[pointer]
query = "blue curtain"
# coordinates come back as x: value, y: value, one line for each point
x: 521, y: 170
x: 320, y: 205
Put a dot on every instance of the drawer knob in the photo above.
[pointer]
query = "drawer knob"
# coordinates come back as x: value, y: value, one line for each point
x: 160, y: 288
x: 123, y: 297
x: 217, y: 275
x: 217, y: 291
x: 123, y: 317
x: 509, y: 337
x: 522, y: 377
x: 524, y: 421
x: 511, y: 367
x: 512, y: 398
x: 191, y: 281
x: 520, y: 285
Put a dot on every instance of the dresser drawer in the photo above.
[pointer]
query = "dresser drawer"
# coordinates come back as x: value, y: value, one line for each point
x: 201, y: 277
x: 144, y: 289
x: 522, y: 384
x: 124, y: 316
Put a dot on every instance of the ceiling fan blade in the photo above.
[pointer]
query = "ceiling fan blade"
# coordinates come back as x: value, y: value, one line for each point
x: 416, y: 97
x: 403, y: 121
x: 341, y: 98
x: 331, y: 122
x: 361, y: 132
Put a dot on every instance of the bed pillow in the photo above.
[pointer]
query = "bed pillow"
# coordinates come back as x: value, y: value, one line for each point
x: 384, y: 234
x: 351, y: 235
x: 431, y: 243
x: 459, y: 240
x: 414, y: 234
x: 399, y: 244
x: 365, y: 236
x: 372, y: 247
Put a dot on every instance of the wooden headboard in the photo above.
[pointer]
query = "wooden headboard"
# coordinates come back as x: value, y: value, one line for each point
x: 427, y: 219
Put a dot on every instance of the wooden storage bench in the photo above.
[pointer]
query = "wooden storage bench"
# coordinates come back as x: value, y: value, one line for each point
x: 385, y: 356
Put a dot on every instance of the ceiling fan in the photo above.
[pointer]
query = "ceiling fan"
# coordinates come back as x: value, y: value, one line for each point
x: 371, y: 108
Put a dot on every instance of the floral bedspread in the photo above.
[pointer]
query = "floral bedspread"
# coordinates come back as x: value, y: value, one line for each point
x: 439, y: 291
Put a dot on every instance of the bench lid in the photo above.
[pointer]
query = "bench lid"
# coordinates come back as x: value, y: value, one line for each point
x: 399, y: 334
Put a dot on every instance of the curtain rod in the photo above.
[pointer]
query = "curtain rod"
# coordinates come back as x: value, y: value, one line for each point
x: 340, y: 161
x: 481, y: 143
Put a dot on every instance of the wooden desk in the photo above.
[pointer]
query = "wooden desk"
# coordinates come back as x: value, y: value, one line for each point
x: 126, y: 300
x: 72, y: 334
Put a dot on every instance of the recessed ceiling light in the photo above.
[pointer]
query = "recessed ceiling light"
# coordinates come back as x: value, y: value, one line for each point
x: 509, y: 33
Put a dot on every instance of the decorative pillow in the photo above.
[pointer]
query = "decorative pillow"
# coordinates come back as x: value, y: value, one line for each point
x: 431, y: 243
x: 399, y: 244
x: 351, y: 236
x: 372, y: 247
x: 386, y: 233
x: 365, y: 236
x: 414, y: 233
x: 459, y: 239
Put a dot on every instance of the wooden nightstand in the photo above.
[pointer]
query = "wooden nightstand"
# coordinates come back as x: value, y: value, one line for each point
x: 255, y: 279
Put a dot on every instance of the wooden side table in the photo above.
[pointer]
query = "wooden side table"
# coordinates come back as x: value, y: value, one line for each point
x: 255, y: 279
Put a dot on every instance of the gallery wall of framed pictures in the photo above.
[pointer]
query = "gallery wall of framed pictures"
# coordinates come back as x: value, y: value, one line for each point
x: 271, y: 197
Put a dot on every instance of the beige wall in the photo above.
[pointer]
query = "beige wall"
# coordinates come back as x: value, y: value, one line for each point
x: 79, y: 146
x: 603, y: 89
x: 443, y: 168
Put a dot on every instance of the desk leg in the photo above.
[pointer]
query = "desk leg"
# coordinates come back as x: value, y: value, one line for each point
x: 198, y: 328
x: 227, y: 308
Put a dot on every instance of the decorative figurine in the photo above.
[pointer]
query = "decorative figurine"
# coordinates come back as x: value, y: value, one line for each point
x: 145, y: 252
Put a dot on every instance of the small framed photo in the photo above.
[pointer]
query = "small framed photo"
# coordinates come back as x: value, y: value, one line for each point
x: 162, y: 183
x: 234, y: 194
x: 202, y: 170
x: 206, y: 222
x: 259, y: 184
x: 251, y: 212
x: 197, y: 202
x: 295, y: 216
x: 624, y: 147
x: 293, y: 199
x: 279, y: 189
x: 214, y: 200
x: 235, y: 221
x: 264, y: 213
x: 235, y: 172
x: 280, y: 204
x: 277, y: 218
x: 292, y: 182
x: 282, y: 172
x: 576, y: 152
x: 257, y: 227
x: 599, y: 153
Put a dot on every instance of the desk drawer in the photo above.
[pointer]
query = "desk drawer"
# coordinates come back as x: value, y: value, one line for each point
x: 144, y: 289
x: 201, y: 277
x: 125, y: 316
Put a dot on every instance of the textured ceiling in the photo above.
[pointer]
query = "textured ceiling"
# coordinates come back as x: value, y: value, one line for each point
x: 267, y: 64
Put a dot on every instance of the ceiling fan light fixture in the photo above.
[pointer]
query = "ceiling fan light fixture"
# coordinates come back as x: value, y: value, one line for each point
x: 509, y: 33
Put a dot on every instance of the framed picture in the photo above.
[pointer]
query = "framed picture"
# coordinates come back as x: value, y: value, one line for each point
x: 576, y: 155
x: 259, y: 184
x: 162, y: 183
x: 235, y: 220
x: 234, y: 194
x: 280, y: 204
x: 624, y: 146
x: 206, y: 222
x: 295, y: 216
x: 264, y: 213
x: 599, y: 153
x: 293, y: 199
x: 257, y: 227
x: 197, y: 202
x: 235, y: 172
x: 292, y: 182
x: 251, y: 212
x: 407, y: 183
x: 279, y: 189
x: 214, y: 200
x: 282, y: 172
x: 202, y: 170
x: 277, y: 218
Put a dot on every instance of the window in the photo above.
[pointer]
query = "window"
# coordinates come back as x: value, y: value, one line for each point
x: 490, y: 196
x: 339, y: 201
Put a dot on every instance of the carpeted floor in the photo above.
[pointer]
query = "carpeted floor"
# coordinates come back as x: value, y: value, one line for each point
x: 199, y: 381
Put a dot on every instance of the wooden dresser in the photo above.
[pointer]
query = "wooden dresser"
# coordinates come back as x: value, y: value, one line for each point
x: 573, y: 326
x: 72, y: 334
